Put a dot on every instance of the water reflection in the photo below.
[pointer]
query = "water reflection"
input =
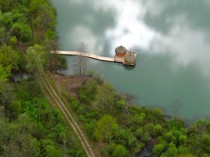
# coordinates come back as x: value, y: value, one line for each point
x: 171, y: 38
x: 129, y: 67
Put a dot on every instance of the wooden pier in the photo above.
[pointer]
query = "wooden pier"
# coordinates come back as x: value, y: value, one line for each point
x: 89, y: 55
x: 93, y: 56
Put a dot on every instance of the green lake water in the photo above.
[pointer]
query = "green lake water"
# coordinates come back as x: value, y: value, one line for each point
x: 172, y: 39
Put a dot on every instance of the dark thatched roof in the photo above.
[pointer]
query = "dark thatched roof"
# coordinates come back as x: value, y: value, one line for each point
x: 130, y: 57
x: 120, y: 49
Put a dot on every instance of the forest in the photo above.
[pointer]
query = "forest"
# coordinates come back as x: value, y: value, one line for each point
x: 126, y: 129
x: 31, y: 126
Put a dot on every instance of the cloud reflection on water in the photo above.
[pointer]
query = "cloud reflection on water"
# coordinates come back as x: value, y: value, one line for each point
x: 187, y: 43
x: 154, y: 26
x: 171, y: 35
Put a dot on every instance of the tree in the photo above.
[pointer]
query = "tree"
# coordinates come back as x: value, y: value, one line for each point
x: 8, y: 58
x: 56, y: 62
x: 15, y: 108
x: 157, y: 129
x: 35, y: 58
x: 126, y: 138
x: 42, y: 20
x: 22, y: 31
x: 3, y: 75
x: 114, y: 150
x: 104, y: 98
x: 105, y: 128
x: 2, y: 34
x: 119, y: 151
x: 87, y: 91
x: 50, y: 149
x: 158, y: 149
x: 204, y: 144
x: 81, y: 61
x: 6, y: 97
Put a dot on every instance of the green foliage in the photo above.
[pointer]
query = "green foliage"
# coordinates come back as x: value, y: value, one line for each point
x: 15, y: 109
x: 138, y: 128
x: 35, y: 58
x: 119, y: 151
x: 39, y: 129
x: 105, y: 128
x: 6, y: 18
x: 28, y: 90
x: 4, y: 73
x: 120, y: 104
x: 159, y: 148
x: 25, y: 23
x: 29, y: 126
x: 56, y: 62
x: 42, y: 20
x: 13, y: 40
x: 87, y: 91
x: 205, y: 143
x: 104, y: 98
x: 13, y: 142
x: 22, y: 31
x: 8, y: 58
x: 49, y: 148
x: 114, y: 150
x: 157, y: 129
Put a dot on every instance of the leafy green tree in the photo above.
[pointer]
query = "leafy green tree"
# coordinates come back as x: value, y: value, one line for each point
x: 56, y: 63
x: 119, y: 151
x: 22, y: 31
x: 13, y: 142
x: 13, y: 40
x: 7, y: 96
x: 35, y: 58
x: 14, y: 109
x: 204, y: 144
x: 50, y: 149
x: 42, y: 20
x: 8, y: 58
x: 120, y: 104
x: 25, y: 2
x: 159, y: 148
x: 104, y: 99
x: 6, y: 19
x: 172, y: 150
x: 126, y: 138
x: 157, y: 129
x: 108, y: 149
x: 105, y: 128
x: 114, y: 150
x: 2, y: 34
x: 137, y: 119
x: 3, y: 75
x: 87, y: 91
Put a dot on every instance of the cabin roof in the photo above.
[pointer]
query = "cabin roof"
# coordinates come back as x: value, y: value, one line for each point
x: 120, y: 49
x: 130, y: 57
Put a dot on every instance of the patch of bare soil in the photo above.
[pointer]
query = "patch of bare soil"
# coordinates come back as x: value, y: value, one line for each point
x: 69, y: 84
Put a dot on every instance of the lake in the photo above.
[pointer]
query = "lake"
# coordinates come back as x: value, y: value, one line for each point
x: 172, y: 39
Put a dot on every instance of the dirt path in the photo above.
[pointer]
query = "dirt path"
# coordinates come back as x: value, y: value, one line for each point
x: 69, y: 118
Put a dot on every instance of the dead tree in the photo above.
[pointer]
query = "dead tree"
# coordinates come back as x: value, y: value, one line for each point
x: 80, y: 65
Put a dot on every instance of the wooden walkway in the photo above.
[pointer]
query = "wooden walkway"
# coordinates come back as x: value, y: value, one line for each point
x: 89, y: 55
